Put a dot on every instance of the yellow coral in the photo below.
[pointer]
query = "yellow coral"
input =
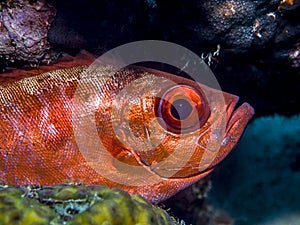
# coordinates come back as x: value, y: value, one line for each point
x: 77, y: 205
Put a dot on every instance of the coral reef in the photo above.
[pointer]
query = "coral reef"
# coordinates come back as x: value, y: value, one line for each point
x: 75, y: 204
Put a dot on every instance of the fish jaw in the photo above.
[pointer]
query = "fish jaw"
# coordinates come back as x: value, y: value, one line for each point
x: 166, y: 188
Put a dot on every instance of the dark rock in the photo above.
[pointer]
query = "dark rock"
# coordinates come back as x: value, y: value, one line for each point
x: 24, y: 29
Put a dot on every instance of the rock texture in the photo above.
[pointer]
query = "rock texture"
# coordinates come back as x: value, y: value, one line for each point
x: 24, y: 29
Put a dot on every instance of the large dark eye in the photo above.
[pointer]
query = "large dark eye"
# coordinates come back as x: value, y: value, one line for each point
x: 183, y: 109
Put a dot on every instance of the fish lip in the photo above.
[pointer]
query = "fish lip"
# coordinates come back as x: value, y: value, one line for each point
x: 241, y: 114
x: 236, y: 113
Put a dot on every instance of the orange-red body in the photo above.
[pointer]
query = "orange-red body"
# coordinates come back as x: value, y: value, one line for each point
x: 71, y: 123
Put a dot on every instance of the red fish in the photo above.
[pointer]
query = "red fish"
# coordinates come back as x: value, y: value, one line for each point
x: 138, y: 129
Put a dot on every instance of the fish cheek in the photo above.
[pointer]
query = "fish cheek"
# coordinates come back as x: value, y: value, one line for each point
x: 162, y: 150
x: 152, y: 141
x: 109, y: 141
x: 131, y: 143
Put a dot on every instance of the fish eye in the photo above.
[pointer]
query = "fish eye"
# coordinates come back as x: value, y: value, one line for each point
x: 183, y: 108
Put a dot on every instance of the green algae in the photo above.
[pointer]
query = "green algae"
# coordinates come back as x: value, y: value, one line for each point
x: 77, y: 205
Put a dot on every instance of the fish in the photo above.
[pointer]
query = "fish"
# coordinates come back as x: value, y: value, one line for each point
x: 142, y: 130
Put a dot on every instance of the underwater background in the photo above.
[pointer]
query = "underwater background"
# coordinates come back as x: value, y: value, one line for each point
x: 258, y: 58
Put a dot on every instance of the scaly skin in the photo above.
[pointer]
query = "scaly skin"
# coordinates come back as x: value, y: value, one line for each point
x: 92, y: 124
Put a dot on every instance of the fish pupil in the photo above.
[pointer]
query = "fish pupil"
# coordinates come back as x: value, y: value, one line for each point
x: 181, y: 109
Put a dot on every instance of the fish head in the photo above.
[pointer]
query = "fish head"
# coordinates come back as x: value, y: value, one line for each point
x: 156, y: 125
